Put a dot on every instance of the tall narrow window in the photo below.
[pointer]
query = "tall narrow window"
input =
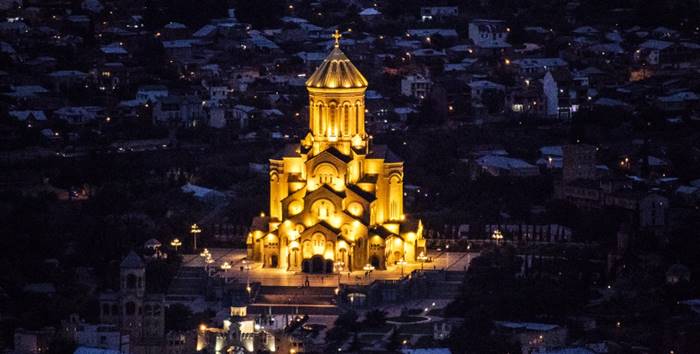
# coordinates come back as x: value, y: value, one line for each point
x: 346, y: 120
x: 331, y: 119
x: 321, y: 120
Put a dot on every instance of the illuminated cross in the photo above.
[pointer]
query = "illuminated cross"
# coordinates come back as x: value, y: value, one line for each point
x: 337, y: 36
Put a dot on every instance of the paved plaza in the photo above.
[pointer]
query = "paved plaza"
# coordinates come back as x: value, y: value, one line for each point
x: 456, y: 261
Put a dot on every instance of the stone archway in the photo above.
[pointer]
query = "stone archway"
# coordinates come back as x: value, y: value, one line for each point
x: 317, y: 264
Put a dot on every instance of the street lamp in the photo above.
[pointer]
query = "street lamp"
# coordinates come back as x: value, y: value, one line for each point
x: 205, y: 253
x: 176, y: 243
x: 226, y: 266
x: 195, y: 231
x: 497, y: 235
x: 422, y: 258
x: 401, y: 262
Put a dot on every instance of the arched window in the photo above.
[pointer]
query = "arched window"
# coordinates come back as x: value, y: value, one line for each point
x: 323, y: 211
x: 318, y: 242
x: 333, y: 119
x: 321, y: 120
x: 105, y: 309
x: 346, y: 119
x: 357, y: 117
x: 115, y: 310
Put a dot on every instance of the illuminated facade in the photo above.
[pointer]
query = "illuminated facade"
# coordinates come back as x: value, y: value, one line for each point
x: 335, y: 198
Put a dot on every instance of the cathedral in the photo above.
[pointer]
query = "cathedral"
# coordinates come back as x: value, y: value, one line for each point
x: 336, y: 199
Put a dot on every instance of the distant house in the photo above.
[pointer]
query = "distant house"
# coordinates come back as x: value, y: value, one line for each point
x: 499, y: 165
x: 187, y: 111
x: 179, y: 50
x: 658, y: 52
x: 151, y: 93
x: 538, y: 66
x: 427, y: 33
x: 33, y: 341
x: 114, y: 52
x: 533, y: 337
x: 417, y: 86
x: 77, y: 115
x: 489, y: 36
x: 65, y: 79
x: 431, y: 13
x: 370, y: 15
x: 243, y: 114
x: 29, y: 117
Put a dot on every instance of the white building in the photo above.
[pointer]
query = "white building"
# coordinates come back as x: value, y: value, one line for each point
x: 489, y: 33
x: 417, y: 86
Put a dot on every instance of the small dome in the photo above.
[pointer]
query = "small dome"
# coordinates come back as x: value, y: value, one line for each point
x: 336, y: 71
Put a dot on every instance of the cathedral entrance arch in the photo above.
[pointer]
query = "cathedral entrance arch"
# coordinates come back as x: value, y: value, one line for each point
x: 317, y: 264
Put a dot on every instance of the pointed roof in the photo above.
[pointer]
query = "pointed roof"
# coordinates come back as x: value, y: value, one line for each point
x: 336, y: 71
x: 132, y: 260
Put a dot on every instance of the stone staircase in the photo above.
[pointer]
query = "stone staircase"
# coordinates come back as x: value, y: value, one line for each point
x: 188, y: 284
x: 285, y: 299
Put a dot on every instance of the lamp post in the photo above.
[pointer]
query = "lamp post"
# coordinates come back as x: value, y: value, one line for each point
x: 246, y: 268
x: 195, y: 231
x: 226, y: 266
x: 176, y: 243
x: 422, y: 258
x: 401, y: 262
x: 447, y: 253
x: 497, y: 235
x: 207, y: 262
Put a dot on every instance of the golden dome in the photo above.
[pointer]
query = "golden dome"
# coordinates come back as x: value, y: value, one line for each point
x: 336, y: 71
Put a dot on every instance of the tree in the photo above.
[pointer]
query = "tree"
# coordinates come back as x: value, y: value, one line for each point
x: 375, y: 318
x: 178, y: 317
x: 394, y: 341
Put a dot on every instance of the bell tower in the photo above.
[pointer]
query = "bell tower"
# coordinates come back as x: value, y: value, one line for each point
x: 337, y: 103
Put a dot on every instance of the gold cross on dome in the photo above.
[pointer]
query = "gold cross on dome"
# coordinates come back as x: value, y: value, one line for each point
x: 337, y: 36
